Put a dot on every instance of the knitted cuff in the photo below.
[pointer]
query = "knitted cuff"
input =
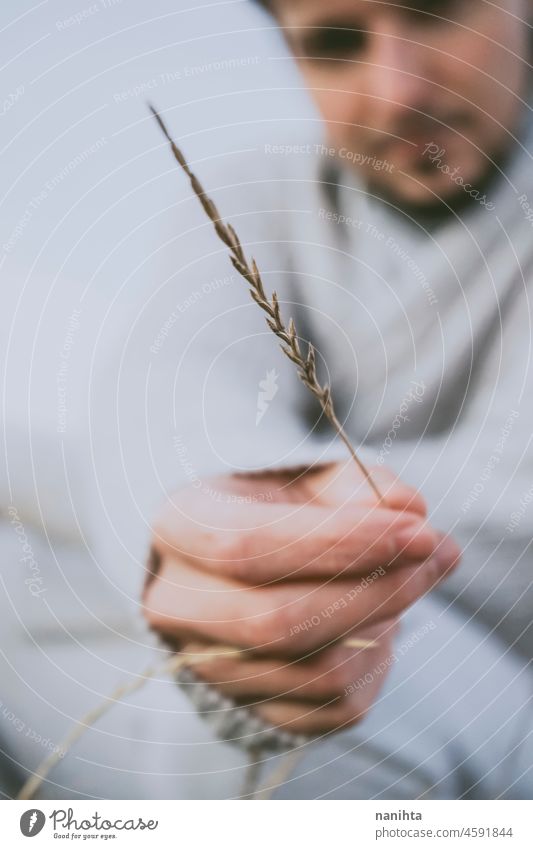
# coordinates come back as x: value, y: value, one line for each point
x: 231, y: 722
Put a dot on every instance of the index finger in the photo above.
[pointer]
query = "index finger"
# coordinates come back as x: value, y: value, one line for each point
x: 260, y: 543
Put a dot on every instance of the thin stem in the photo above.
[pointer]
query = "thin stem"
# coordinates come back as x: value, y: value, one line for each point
x: 305, y: 365
x: 77, y: 731
x: 184, y: 658
x: 342, y: 434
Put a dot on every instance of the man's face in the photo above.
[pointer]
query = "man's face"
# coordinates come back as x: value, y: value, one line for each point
x: 391, y: 77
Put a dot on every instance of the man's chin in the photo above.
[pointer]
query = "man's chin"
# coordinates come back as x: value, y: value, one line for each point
x: 416, y: 190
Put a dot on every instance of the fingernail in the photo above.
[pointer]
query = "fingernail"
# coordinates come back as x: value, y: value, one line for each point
x: 445, y: 557
x: 447, y: 553
x: 417, y: 539
x: 433, y: 568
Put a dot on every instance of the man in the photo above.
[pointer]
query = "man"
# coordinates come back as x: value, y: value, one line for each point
x: 409, y: 266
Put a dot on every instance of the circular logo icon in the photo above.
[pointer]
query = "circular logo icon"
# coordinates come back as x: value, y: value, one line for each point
x: 32, y: 822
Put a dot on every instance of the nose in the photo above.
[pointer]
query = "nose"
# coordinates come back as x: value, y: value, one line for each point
x: 397, y: 70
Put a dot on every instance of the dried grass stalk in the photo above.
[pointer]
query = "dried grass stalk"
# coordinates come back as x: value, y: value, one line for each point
x: 170, y: 667
x: 290, y: 344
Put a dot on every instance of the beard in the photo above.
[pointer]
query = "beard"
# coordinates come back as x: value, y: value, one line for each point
x: 403, y: 145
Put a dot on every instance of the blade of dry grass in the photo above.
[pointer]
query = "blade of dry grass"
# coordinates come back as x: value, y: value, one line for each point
x: 290, y: 344
x: 170, y: 667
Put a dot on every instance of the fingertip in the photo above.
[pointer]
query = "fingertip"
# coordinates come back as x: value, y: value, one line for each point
x: 447, y: 553
x: 417, y: 541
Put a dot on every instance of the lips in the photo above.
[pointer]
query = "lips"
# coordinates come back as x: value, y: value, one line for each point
x: 406, y: 137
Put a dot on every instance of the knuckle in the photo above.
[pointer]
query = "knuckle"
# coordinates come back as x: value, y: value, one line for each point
x: 267, y: 629
x: 236, y: 550
x: 325, y: 684
x: 338, y: 679
x: 334, y: 670
x: 227, y: 546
